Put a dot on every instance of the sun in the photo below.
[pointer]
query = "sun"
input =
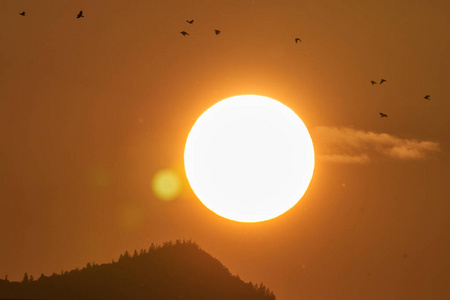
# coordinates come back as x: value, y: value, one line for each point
x: 249, y: 158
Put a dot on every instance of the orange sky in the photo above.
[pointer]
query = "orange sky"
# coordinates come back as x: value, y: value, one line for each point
x: 92, y: 108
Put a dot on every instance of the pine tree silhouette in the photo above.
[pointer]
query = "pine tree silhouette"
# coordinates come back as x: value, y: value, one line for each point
x: 25, y: 278
x: 179, y: 270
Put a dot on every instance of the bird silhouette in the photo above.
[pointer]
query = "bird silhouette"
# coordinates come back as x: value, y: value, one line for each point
x: 427, y: 97
x: 383, y: 115
x: 184, y: 33
x: 298, y: 40
x: 373, y: 82
x: 80, y: 14
x: 382, y: 80
x: 22, y: 13
x: 190, y: 21
x: 217, y: 32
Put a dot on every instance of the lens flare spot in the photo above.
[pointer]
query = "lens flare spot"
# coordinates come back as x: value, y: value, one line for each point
x: 166, y: 184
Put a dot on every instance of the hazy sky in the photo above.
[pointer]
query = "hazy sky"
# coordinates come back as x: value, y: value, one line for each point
x: 92, y: 108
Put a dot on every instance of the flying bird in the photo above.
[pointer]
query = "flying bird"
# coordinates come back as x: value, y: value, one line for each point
x: 190, y: 21
x: 382, y: 80
x: 298, y: 40
x: 184, y: 33
x: 217, y: 32
x: 22, y: 13
x: 373, y: 82
x: 383, y: 115
x: 80, y: 14
x: 427, y: 97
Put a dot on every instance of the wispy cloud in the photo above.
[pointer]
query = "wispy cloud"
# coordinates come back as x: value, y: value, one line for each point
x: 347, y: 145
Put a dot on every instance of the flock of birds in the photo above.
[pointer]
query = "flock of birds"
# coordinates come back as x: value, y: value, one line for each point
x: 184, y: 33
x: 80, y: 14
x: 382, y: 115
x: 297, y: 40
x: 217, y: 32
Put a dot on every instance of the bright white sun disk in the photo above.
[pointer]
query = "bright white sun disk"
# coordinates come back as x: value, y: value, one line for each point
x: 249, y: 158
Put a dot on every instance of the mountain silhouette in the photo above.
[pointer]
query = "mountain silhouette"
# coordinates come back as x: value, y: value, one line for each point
x: 179, y: 270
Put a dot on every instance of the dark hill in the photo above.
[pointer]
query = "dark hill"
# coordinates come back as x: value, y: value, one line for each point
x: 178, y: 270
